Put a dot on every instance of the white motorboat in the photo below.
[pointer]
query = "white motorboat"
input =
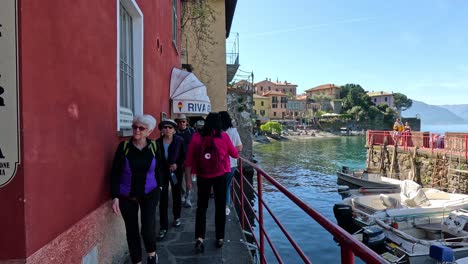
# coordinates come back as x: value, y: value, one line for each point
x: 415, y: 245
x: 366, y: 179
x: 403, y: 226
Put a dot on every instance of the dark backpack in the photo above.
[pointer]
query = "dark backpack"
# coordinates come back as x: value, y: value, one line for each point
x: 209, y: 160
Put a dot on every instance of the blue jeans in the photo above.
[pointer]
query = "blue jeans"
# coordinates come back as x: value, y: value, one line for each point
x: 228, y: 185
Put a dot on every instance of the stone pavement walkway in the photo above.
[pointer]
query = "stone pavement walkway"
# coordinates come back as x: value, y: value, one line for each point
x: 178, y: 245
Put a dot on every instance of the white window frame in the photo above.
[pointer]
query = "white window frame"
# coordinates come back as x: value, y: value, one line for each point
x: 137, y: 27
x: 174, y: 23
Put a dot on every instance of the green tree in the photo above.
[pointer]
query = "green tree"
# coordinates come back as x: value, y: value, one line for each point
x: 389, y: 115
x: 373, y: 112
x: 271, y: 127
x: 358, y: 113
x: 355, y: 96
x: 401, y: 102
x: 344, y: 90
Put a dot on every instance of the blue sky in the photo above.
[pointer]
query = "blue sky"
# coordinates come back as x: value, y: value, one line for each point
x: 415, y: 47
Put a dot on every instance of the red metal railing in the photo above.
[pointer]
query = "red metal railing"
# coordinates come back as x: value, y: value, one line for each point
x: 452, y: 143
x: 350, y: 246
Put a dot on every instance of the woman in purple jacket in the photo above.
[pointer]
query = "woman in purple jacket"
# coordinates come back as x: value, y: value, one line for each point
x: 135, y: 186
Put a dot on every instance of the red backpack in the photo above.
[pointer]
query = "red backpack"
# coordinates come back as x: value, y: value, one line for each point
x: 209, y: 161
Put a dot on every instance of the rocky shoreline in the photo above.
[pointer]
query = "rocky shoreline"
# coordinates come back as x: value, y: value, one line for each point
x: 262, y: 139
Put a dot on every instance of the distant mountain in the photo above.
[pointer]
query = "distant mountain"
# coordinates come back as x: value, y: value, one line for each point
x: 433, y: 114
x: 460, y: 110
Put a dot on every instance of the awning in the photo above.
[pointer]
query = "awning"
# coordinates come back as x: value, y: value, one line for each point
x: 188, y: 94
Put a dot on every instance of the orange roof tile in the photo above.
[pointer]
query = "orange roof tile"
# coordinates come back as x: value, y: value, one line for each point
x: 323, y: 87
x: 381, y: 93
x: 274, y: 93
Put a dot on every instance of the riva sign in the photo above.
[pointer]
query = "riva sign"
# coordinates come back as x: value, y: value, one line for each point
x: 9, y: 113
x: 190, y: 107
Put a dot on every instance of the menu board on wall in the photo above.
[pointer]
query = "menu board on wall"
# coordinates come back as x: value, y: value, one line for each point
x: 9, y: 101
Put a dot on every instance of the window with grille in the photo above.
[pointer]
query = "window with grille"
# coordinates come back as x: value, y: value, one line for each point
x: 129, y: 63
x: 174, y: 22
x: 126, y: 60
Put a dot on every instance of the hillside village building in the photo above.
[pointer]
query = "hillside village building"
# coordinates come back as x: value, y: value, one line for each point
x: 261, y: 108
x: 278, y: 104
x: 269, y: 86
x: 328, y: 90
x: 243, y: 85
x: 296, y: 107
x: 381, y: 98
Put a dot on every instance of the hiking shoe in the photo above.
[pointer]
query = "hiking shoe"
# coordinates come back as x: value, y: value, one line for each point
x: 199, y: 246
x: 219, y: 243
x: 177, y: 222
x: 152, y: 259
x: 228, y: 211
x: 162, y: 233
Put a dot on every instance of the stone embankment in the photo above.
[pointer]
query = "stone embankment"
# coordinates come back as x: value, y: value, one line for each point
x: 429, y: 167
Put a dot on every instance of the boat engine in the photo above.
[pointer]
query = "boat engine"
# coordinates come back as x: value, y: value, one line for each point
x: 456, y: 223
x: 344, y: 216
x: 374, y: 238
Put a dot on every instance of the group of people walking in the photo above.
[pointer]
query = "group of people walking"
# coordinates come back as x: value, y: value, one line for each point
x: 144, y: 170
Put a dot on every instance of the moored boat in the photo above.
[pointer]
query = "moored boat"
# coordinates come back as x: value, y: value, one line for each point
x: 366, y: 179
x: 403, y: 226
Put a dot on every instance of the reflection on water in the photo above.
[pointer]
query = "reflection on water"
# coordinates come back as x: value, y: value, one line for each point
x: 307, y: 168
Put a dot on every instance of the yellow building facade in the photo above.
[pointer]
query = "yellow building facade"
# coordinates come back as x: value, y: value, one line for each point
x: 261, y: 107
x: 278, y: 104
x: 206, y: 53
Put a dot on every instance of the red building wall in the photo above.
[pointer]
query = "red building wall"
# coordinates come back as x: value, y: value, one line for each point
x: 68, y: 110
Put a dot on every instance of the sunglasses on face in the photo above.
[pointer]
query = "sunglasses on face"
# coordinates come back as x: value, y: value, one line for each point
x: 141, y: 128
x: 182, y: 121
x: 167, y: 127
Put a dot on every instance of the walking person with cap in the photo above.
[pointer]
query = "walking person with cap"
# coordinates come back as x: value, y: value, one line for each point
x: 135, y: 186
x: 171, y: 149
x: 186, y: 132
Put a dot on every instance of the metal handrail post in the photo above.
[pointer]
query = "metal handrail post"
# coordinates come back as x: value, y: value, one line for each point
x: 466, y: 146
x: 242, y: 193
x: 260, y: 217
x: 347, y: 255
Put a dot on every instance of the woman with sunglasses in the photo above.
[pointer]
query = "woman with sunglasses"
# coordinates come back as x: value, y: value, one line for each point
x: 171, y: 150
x: 135, y: 185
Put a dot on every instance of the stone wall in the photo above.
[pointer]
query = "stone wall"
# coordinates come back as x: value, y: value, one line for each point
x: 239, y: 105
x: 439, y: 169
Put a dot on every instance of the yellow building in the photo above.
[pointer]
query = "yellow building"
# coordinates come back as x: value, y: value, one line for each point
x: 204, y: 47
x: 278, y: 104
x: 261, y: 108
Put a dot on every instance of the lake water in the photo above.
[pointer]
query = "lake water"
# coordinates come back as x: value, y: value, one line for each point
x: 444, y: 128
x: 307, y: 168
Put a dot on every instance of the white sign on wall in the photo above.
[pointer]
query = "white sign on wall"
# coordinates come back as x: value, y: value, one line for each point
x: 9, y: 107
x: 190, y: 107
